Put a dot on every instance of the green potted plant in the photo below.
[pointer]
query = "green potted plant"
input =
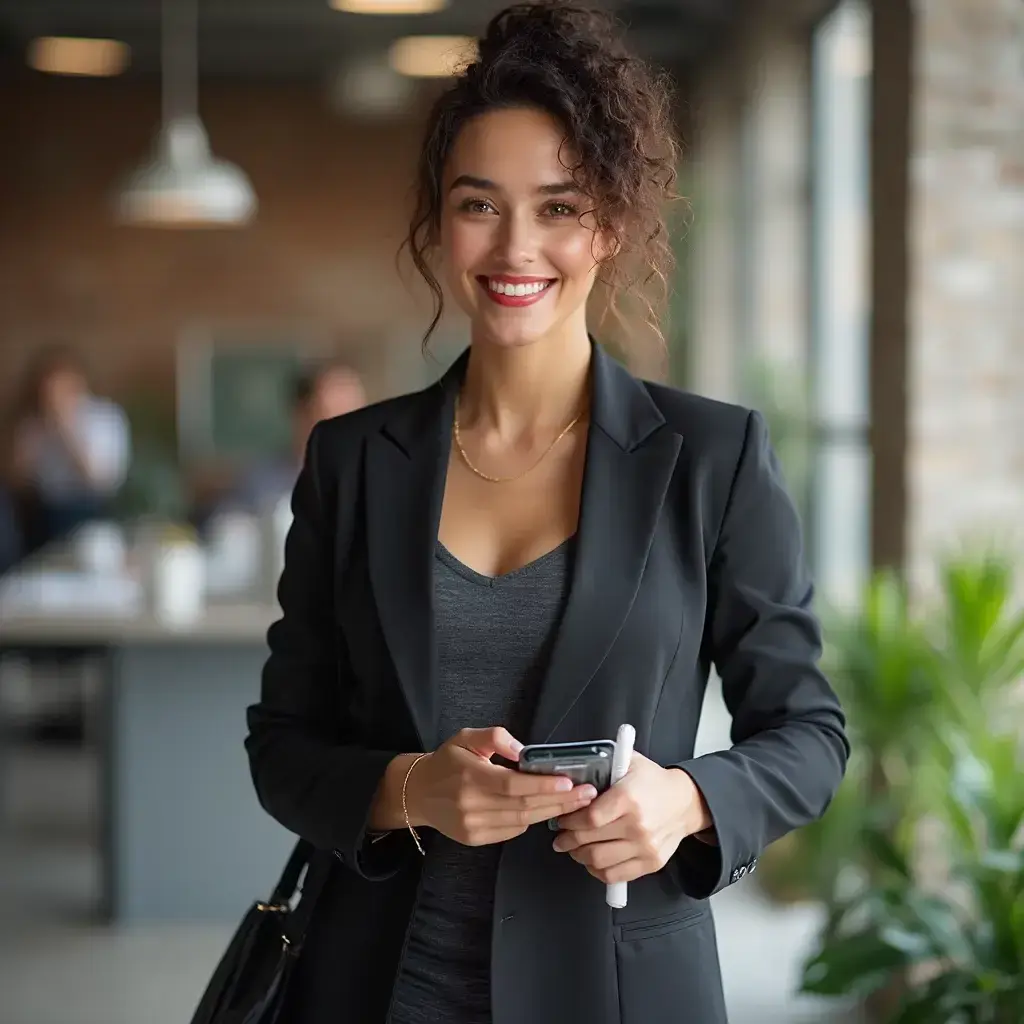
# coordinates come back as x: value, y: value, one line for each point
x: 883, y: 667
x: 917, y: 951
x: 959, y: 949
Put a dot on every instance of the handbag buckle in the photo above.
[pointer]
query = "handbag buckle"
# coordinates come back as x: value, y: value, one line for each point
x: 275, y: 908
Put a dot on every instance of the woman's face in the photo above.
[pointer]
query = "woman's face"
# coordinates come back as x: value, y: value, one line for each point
x: 520, y: 248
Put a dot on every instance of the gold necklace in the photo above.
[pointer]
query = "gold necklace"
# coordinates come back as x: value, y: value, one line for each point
x: 506, y: 479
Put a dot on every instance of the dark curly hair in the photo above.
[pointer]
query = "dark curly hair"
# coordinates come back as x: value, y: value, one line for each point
x: 617, y: 116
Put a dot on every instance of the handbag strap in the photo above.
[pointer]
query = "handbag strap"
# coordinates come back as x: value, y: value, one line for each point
x: 297, y: 920
x: 289, y: 880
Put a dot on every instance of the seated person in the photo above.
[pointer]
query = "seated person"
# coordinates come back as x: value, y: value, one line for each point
x: 326, y: 391
x: 71, y: 448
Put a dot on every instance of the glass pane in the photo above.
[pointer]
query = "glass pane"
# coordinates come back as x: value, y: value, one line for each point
x: 840, y: 300
x: 841, y: 550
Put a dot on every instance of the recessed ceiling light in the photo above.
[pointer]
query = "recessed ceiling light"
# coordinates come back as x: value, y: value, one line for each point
x: 66, y: 55
x: 389, y: 6
x: 431, y: 56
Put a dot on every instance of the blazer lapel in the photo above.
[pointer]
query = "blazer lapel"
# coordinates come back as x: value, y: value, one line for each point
x: 630, y: 459
x: 405, y: 474
x: 631, y: 456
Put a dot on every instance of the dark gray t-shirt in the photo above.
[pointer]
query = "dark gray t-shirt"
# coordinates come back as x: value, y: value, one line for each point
x: 494, y: 640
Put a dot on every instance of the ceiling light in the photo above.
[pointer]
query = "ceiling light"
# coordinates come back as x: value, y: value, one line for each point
x: 65, y: 55
x: 389, y: 6
x: 368, y: 87
x: 431, y: 56
x: 184, y: 185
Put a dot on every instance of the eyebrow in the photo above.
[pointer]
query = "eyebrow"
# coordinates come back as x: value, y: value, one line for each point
x: 554, y: 189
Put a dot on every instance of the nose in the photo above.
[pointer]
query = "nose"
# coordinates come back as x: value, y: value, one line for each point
x: 517, y: 241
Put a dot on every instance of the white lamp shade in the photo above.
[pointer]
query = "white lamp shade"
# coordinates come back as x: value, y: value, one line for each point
x: 184, y: 185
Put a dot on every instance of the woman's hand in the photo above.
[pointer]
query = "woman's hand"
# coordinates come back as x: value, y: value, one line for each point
x: 460, y: 793
x: 634, y: 828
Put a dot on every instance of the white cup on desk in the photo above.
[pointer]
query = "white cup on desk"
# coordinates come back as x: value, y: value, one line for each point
x: 99, y: 548
x: 179, y: 583
x: 233, y: 553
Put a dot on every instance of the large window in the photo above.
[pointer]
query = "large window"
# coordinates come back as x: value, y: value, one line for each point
x: 841, y: 474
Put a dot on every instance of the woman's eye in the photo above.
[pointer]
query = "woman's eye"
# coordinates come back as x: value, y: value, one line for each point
x: 561, y: 210
x: 477, y: 206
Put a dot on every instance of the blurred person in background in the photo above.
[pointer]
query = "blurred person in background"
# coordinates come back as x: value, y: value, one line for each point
x: 329, y: 390
x: 70, y: 448
x: 540, y: 547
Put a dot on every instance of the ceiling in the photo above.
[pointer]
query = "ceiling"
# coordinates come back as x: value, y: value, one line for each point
x: 264, y: 39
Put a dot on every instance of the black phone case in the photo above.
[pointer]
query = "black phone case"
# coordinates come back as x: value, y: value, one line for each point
x: 597, y: 771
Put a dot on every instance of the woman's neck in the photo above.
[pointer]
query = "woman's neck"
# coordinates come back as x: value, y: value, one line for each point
x: 531, y: 388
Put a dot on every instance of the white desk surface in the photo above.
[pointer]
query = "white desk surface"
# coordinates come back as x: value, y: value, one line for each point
x: 235, y: 618
x: 219, y: 623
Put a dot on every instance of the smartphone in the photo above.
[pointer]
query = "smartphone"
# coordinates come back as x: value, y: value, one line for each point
x: 584, y: 763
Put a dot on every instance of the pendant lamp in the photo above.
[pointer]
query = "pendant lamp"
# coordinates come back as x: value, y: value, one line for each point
x: 183, y: 185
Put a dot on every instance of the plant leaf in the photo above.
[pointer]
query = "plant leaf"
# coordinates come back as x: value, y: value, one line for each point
x: 883, y: 850
x: 1017, y: 923
x: 937, y: 919
x: 1003, y: 862
x: 853, y: 965
x: 946, y: 999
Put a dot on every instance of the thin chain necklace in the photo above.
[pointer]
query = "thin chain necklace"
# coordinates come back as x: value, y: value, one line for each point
x: 507, y: 479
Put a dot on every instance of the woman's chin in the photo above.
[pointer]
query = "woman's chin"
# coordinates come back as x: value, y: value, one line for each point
x: 504, y: 331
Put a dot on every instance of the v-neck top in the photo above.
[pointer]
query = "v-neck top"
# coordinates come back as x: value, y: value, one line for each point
x: 493, y: 639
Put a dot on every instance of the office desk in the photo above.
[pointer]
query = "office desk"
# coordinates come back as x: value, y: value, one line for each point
x: 182, y: 835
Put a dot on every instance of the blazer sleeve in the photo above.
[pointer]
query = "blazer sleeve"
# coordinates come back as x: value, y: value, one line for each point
x: 310, y: 772
x: 789, y: 748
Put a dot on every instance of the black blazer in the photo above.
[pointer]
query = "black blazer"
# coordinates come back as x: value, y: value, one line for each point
x: 688, y: 554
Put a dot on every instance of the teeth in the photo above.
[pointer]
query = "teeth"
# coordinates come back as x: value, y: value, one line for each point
x: 519, y: 290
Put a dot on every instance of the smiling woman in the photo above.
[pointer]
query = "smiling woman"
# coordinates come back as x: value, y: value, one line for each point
x: 529, y: 550
x: 579, y: 135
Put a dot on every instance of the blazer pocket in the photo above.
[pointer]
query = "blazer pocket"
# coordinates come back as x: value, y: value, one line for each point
x: 667, y: 969
x: 666, y: 924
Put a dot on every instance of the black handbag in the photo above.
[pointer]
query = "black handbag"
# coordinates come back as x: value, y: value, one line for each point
x: 250, y: 982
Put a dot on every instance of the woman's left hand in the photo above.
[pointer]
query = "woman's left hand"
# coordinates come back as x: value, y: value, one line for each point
x: 632, y: 829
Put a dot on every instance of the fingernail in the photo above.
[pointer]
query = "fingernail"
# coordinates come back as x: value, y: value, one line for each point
x: 588, y: 793
x: 563, y: 785
x: 557, y: 846
x: 516, y: 746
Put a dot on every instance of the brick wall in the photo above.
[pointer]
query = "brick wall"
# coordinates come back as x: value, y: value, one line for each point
x: 965, y: 459
x: 333, y: 197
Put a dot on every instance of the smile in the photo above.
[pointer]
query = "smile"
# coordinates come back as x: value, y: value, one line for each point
x: 515, y: 291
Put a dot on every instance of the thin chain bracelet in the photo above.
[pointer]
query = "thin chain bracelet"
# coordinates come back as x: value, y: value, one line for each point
x: 405, y: 807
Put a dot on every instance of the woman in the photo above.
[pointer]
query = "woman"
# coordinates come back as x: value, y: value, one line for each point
x: 539, y: 548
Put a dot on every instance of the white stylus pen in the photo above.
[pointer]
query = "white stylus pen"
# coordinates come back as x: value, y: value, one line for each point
x: 615, y: 894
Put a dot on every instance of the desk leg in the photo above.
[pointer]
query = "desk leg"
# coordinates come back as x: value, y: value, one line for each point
x: 101, y: 728
x: 184, y: 837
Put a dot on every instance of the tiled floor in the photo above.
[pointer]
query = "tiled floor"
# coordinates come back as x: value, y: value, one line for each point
x: 56, y: 967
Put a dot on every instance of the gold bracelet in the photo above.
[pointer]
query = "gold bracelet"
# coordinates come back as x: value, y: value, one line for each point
x: 405, y: 807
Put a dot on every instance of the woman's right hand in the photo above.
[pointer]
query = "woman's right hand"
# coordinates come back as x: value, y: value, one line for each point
x: 458, y: 791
